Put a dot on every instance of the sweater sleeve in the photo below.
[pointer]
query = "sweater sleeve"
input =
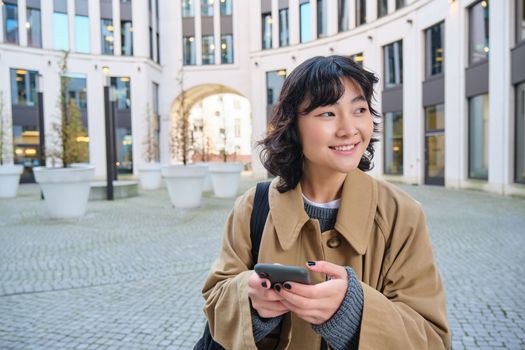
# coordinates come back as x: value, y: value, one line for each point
x: 263, y: 326
x: 341, y: 331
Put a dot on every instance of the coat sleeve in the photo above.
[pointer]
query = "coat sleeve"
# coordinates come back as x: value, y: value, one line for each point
x: 408, y: 312
x: 225, y: 291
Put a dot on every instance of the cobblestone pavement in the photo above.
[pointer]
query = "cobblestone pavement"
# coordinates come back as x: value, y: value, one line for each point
x: 128, y: 275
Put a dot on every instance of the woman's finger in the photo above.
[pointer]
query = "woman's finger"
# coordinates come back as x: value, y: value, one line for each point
x: 331, y: 270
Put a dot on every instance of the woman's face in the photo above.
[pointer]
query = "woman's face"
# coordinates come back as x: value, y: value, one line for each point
x: 335, y: 137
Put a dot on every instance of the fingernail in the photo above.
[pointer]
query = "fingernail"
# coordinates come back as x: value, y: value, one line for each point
x: 277, y: 287
x: 287, y: 286
x: 311, y: 263
x: 264, y: 285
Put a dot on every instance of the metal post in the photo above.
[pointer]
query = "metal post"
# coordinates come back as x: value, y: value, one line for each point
x: 113, y: 114
x: 41, y: 131
x: 110, y: 160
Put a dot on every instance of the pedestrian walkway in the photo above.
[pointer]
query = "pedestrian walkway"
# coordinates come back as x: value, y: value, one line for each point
x: 128, y: 275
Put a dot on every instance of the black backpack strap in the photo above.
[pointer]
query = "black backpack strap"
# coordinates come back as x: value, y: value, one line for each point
x: 260, y: 211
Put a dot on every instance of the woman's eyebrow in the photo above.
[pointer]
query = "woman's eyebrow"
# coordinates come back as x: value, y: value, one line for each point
x: 359, y: 98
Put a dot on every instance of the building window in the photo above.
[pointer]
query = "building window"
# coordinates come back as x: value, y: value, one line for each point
x: 187, y: 8
x: 434, y: 50
x: 227, y: 49
x: 60, y: 31
x: 156, y: 121
x: 106, y: 30
x: 77, y: 93
x: 435, y: 144
x: 34, y: 27
x: 24, y: 87
x: 520, y: 134
x: 360, y: 12
x: 206, y: 8
x: 126, y: 33
x: 121, y: 92
x: 382, y: 8
x: 284, y: 34
x: 10, y: 23
x: 305, y: 14
x: 479, y: 32
x: 237, y: 127
x: 208, y: 50
x: 393, y: 143
x: 267, y: 30
x: 226, y: 7
x: 158, y: 48
x: 322, y: 20
x: 150, y: 42
x: 82, y: 34
x: 520, y: 20
x: 274, y: 84
x: 400, y: 4
x: 358, y: 58
x: 343, y: 15
x: 478, y: 137
x: 393, y: 64
x: 188, y: 48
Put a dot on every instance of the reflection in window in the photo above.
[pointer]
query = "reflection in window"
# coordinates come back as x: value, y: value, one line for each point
x: 267, y: 30
x: 10, y: 12
x: 24, y: 87
x: 520, y: 20
x: 187, y: 8
x: 274, y: 84
x: 106, y: 31
x: 393, y: 129
x: 226, y: 7
x: 60, y: 31
x: 156, y: 121
x: 188, y: 48
x: 382, y: 8
x: 322, y: 18
x: 76, y: 92
x: 358, y: 58
x: 360, y: 12
x: 478, y: 137
x: 393, y: 64
x: 206, y: 8
x: 126, y: 33
x: 34, y: 27
x: 121, y: 93
x: 520, y: 134
x: 284, y: 34
x: 82, y: 34
x: 305, y: 13
x: 208, y: 50
x: 479, y: 32
x: 434, y: 50
x: 227, y: 49
x: 343, y: 15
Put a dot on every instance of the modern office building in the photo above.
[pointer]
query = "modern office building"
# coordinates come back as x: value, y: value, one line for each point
x: 451, y: 91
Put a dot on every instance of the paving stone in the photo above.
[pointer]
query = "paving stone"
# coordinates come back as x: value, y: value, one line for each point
x: 128, y: 275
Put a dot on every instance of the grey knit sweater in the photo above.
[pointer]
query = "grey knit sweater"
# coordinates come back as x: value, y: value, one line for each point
x: 341, y: 331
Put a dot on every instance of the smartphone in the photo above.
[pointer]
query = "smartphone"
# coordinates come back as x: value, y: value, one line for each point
x: 283, y: 273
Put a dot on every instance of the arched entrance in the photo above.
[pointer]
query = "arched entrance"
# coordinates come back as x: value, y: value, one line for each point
x: 220, y: 125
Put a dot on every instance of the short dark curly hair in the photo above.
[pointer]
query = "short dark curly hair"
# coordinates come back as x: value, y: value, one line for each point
x: 315, y: 82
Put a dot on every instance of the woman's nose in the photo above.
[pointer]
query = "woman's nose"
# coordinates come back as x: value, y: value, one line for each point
x: 345, y: 127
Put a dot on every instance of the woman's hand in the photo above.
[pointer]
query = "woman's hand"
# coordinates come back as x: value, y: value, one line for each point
x: 265, y: 300
x: 316, y: 304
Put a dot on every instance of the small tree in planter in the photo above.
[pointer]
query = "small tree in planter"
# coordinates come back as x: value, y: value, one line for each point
x: 184, y: 182
x: 65, y: 184
x: 149, y: 172
x: 9, y: 173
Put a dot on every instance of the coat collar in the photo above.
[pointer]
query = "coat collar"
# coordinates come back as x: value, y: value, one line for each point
x: 354, y: 219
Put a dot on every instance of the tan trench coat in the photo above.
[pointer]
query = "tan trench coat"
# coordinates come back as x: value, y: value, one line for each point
x: 383, y: 238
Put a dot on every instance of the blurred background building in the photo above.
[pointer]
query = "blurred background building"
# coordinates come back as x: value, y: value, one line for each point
x: 451, y: 91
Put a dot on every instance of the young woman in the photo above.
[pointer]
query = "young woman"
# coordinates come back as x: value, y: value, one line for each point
x: 375, y: 282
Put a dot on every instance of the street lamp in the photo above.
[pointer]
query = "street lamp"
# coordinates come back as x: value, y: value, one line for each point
x: 109, y: 109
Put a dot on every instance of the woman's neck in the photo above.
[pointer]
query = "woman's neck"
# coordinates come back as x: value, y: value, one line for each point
x: 322, y: 187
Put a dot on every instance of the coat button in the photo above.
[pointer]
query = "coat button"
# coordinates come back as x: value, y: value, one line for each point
x: 334, y: 242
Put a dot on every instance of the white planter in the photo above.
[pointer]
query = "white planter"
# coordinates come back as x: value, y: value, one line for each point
x: 226, y: 178
x: 208, y: 185
x: 66, y: 190
x: 184, y: 184
x: 149, y: 176
x: 9, y: 179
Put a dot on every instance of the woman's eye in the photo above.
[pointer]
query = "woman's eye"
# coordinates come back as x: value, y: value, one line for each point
x: 326, y: 114
x: 361, y: 110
